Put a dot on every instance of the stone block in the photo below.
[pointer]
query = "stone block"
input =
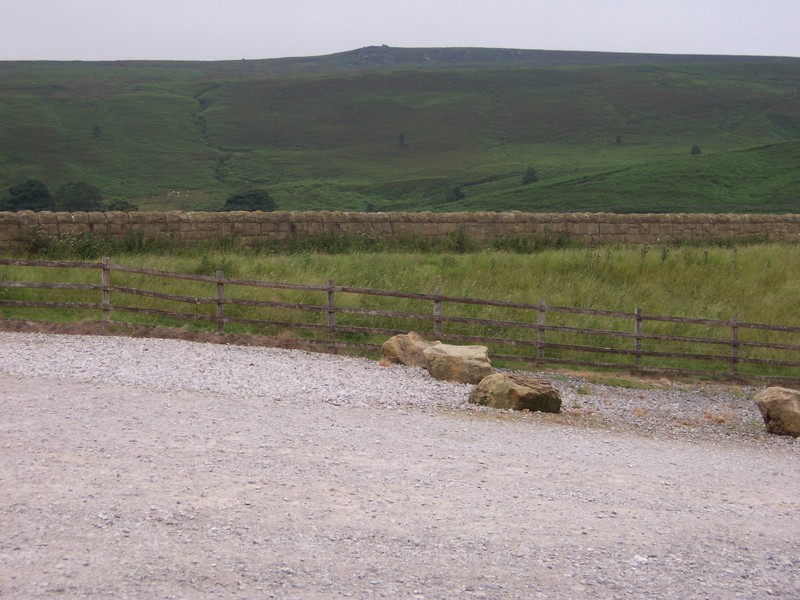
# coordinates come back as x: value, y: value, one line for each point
x: 502, y: 390
x: 406, y: 349
x: 780, y: 409
x: 465, y: 364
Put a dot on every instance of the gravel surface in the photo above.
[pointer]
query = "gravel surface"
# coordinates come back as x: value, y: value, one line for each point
x: 172, y: 469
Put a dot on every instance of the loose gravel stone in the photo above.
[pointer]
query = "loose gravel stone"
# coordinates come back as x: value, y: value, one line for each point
x: 165, y: 468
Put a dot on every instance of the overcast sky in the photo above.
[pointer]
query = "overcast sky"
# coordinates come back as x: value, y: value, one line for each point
x: 235, y: 29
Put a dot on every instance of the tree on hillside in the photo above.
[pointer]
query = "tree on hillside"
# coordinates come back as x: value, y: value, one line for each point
x: 250, y: 200
x: 530, y: 176
x: 78, y: 195
x: 695, y: 150
x: 455, y: 194
x: 31, y: 195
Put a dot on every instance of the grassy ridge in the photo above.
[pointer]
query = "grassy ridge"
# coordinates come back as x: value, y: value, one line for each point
x: 753, y: 180
x: 325, y: 133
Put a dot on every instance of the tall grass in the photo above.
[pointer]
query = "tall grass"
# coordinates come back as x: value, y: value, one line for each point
x: 758, y: 283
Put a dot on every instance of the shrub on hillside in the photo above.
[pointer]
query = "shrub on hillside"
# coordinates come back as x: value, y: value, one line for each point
x: 250, y: 200
x: 121, y: 205
x: 78, y: 195
x: 70, y: 197
x: 455, y: 194
x: 31, y: 195
x: 530, y: 176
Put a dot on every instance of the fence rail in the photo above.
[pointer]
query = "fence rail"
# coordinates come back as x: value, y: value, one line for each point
x: 339, y: 316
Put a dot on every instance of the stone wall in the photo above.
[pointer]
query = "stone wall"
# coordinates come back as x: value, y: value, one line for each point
x: 591, y: 228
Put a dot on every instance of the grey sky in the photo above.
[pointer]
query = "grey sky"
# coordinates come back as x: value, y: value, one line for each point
x: 234, y: 29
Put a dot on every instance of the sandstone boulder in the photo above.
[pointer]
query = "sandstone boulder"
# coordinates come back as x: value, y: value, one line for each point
x: 501, y: 390
x: 405, y: 349
x: 465, y: 364
x: 780, y: 408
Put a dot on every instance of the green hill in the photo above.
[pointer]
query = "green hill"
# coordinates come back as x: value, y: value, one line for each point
x: 398, y: 129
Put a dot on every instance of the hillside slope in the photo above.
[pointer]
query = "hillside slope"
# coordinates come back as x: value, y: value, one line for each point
x: 400, y: 129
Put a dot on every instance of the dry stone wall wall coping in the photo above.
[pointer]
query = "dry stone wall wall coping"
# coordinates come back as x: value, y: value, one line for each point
x: 590, y: 228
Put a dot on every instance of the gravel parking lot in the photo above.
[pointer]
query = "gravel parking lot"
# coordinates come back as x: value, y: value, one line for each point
x: 173, y: 469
